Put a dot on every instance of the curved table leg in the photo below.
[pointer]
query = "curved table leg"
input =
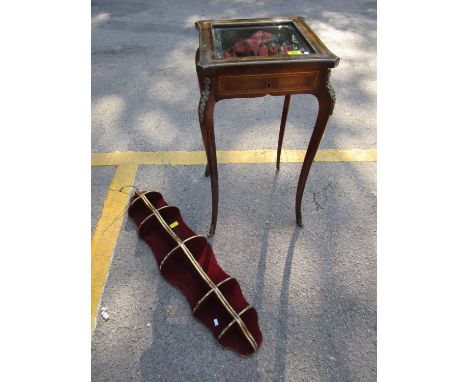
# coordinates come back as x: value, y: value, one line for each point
x: 204, y: 95
x: 326, y: 100
x: 284, y: 117
x: 206, y: 111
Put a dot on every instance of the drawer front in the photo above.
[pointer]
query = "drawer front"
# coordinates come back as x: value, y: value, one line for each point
x: 267, y: 83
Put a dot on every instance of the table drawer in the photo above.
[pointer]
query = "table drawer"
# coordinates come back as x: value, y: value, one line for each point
x: 266, y: 83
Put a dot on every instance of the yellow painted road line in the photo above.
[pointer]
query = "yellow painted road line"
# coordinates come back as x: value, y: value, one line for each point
x: 110, y: 222
x: 187, y: 158
x: 107, y: 232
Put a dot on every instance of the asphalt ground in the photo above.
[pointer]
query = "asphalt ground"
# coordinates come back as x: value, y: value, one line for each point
x: 314, y: 288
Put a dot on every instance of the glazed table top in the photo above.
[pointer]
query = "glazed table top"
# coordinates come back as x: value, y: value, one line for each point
x: 242, y: 42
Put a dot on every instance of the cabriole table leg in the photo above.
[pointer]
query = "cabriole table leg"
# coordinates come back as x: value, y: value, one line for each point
x: 284, y: 117
x: 206, y: 111
x: 204, y: 94
x: 326, y: 100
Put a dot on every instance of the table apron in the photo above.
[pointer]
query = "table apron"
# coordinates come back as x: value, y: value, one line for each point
x: 255, y: 85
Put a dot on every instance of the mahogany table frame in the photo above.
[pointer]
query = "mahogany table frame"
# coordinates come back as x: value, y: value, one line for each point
x: 247, y: 77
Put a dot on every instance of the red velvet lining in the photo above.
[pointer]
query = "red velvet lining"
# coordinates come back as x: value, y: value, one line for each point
x: 178, y: 271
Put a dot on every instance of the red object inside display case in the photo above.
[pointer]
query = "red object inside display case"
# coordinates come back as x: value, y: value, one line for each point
x: 267, y: 40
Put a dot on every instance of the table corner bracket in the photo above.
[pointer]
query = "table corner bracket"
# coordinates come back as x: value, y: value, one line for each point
x: 205, y: 94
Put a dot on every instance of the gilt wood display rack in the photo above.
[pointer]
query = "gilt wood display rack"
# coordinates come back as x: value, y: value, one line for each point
x: 186, y: 260
x: 246, y: 58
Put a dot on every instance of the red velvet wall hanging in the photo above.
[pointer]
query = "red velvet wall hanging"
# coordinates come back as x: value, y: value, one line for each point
x: 186, y: 260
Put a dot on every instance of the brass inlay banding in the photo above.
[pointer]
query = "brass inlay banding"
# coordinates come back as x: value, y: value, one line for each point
x: 233, y: 321
x: 202, y: 273
x: 208, y: 293
x: 149, y: 216
x: 178, y: 246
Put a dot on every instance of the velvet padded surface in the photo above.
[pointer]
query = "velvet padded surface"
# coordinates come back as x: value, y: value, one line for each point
x: 179, y: 272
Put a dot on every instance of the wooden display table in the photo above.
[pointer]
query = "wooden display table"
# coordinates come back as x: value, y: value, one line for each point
x: 252, y: 58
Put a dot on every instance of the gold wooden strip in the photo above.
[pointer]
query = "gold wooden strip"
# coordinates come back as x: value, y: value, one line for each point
x: 202, y: 273
x: 178, y: 246
x: 159, y: 209
x: 145, y: 219
x: 139, y: 197
x: 233, y: 321
x: 197, y: 305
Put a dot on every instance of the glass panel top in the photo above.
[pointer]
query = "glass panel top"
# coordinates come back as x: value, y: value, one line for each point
x: 261, y: 40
